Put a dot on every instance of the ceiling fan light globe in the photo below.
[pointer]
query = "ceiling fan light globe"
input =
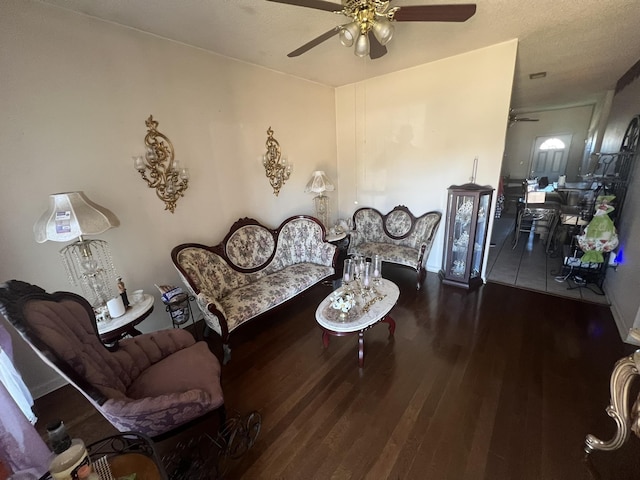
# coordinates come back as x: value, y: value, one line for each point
x: 345, y: 38
x: 362, y: 46
x: 348, y: 34
x: 383, y: 30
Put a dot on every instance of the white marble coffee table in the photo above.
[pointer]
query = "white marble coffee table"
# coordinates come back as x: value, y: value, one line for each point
x: 370, y: 309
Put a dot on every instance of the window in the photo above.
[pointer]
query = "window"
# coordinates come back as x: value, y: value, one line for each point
x: 552, y: 144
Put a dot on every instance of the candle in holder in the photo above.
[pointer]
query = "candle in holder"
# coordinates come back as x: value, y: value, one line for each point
x: 347, y: 271
x: 377, y: 268
x: 366, y: 274
x: 358, y: 259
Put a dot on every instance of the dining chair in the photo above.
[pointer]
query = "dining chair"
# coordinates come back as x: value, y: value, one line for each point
x: 536, y: 215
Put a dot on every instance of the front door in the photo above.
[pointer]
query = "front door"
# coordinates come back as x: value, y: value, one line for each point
x: 549, y: 156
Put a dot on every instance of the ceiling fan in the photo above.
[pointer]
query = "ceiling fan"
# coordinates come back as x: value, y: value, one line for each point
x: 371, y: 22
x: 514, y: 118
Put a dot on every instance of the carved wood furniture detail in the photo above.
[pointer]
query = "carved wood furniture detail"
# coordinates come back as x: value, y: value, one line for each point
x: 627, y: 419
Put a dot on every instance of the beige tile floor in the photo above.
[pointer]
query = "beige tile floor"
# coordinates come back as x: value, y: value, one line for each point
x: 528, y: 266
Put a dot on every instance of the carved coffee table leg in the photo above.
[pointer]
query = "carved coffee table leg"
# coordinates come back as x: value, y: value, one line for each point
x: 361, y: 348
x: 325, y: 338
x: 392, y: 324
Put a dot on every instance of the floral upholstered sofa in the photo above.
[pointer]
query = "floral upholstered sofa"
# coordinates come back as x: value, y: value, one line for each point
x: 254, y: 270
x: 398, y: 237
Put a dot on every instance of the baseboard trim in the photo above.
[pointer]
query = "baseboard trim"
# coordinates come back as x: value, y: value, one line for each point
x: 623, y: 328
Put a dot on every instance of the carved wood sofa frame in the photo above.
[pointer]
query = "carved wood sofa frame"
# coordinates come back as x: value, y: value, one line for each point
x: 399, y: 237
x: 254, y: 270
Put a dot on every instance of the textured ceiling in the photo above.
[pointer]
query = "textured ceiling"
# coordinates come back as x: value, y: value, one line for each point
x: 583, y: 45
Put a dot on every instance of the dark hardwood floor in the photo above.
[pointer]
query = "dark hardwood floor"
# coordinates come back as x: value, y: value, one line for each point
x: 500, y: 383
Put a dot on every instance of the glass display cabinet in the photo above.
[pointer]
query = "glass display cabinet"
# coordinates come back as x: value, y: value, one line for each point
x: 468, y: 208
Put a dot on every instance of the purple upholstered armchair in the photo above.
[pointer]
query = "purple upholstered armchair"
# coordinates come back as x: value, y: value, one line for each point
x: 152, y: 383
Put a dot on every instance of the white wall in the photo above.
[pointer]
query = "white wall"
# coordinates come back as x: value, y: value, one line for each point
x: 74, y: 98
x: 405, y: 137
x: 75, y: 95
x: 622, y: 284
x: 521, y: 137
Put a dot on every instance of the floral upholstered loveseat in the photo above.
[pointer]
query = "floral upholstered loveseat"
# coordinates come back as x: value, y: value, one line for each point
x: 254, y: 270
x: 398, y: 237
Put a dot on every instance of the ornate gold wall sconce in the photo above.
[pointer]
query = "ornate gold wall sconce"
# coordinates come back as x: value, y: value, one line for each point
x: 160, y: 169
x: 276, y: 167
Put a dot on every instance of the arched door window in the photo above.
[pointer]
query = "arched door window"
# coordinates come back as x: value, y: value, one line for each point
x: 553, y: 143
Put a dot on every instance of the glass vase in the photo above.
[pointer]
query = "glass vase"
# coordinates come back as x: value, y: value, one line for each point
x: 377, y: 269
x: 366, y: 275
x: 347, y: 272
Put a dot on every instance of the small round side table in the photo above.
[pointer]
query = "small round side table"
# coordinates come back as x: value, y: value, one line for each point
x: 113, y: 330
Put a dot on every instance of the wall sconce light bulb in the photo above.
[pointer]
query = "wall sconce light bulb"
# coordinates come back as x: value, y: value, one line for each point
x: 151, y: 155
x: 138, y: 163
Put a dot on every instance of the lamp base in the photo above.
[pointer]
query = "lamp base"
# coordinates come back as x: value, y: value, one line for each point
x: 321, y: 202
x: 88, y: 264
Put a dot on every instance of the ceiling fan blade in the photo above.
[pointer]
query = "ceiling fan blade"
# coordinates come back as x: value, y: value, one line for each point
x: 435, y: 13
x: 513, y: 119
x: 314, y: 43
x: 317, y: 4
x: 376, y: 49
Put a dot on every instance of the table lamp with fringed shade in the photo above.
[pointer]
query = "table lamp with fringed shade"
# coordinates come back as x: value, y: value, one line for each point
x: 70, y: 217
x: 320, y: 183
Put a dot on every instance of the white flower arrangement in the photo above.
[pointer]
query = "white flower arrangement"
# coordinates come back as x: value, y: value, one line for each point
x: 343, y: 301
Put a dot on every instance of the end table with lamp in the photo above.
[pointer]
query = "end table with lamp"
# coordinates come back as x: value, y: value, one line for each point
x: 111, y: 331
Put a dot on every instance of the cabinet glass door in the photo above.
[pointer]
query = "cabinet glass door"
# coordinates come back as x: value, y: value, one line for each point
x: 480, y: 236
x: 463, y: 208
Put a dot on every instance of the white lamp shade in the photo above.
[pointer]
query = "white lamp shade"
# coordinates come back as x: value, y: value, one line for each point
x: 319, y: 183
x: 71, y: 215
